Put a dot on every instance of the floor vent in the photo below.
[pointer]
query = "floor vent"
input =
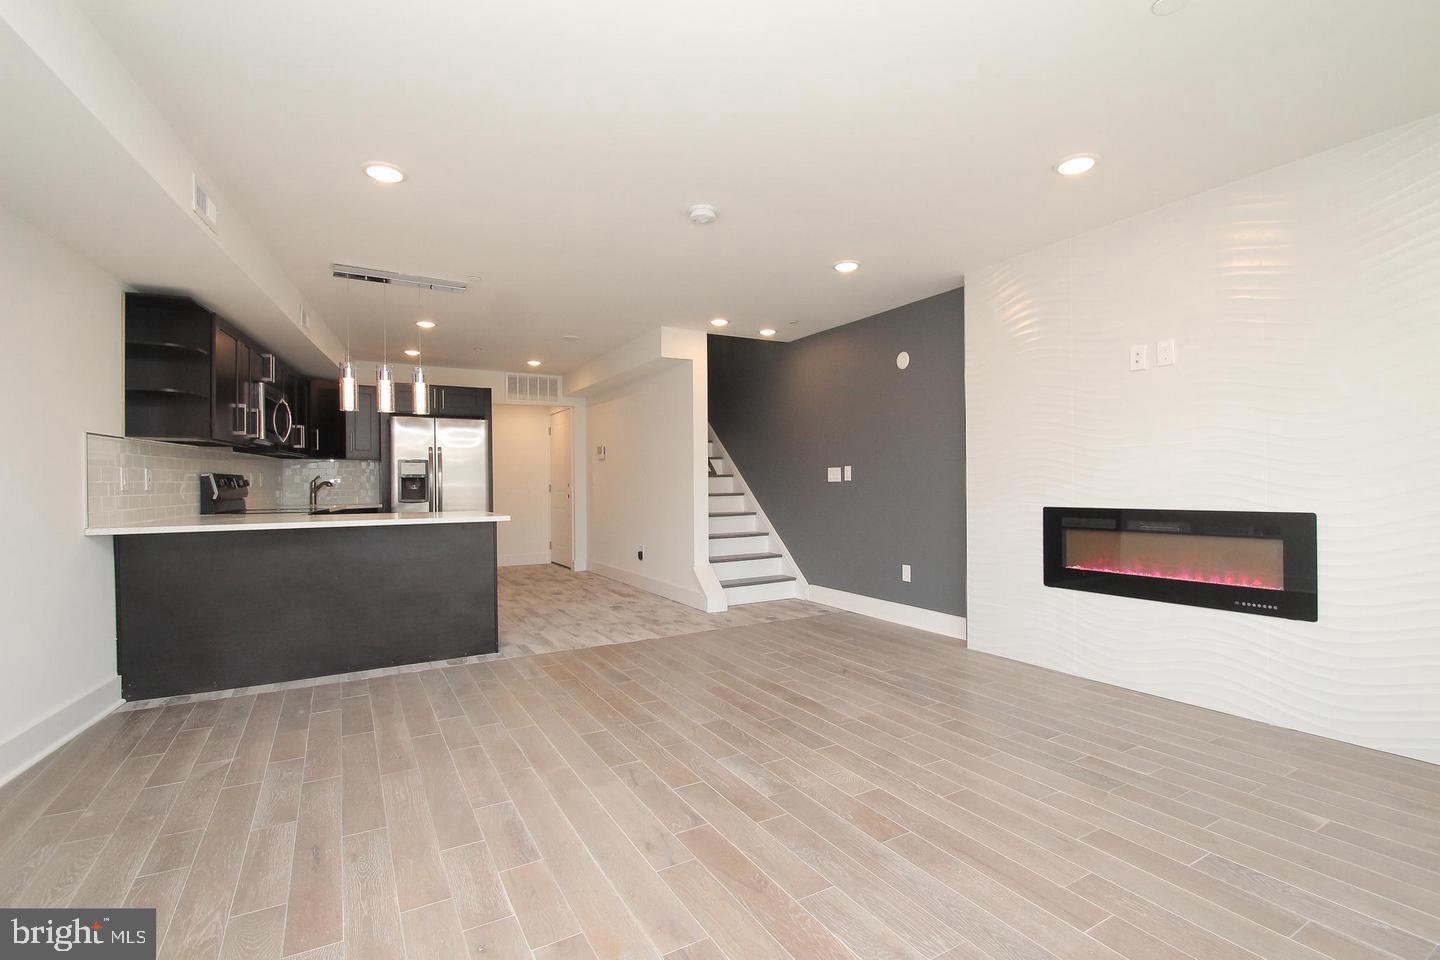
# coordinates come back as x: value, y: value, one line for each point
x: 531, y: 387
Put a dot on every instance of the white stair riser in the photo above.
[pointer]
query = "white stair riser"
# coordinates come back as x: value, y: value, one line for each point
x: 730, y: 502
x: 748, y: 568
x: 733, y: 524
x: 722, y: 485
x: 759, y: 543
x: 718, y: 465
x: 760, y: 593
x: 710, y: 449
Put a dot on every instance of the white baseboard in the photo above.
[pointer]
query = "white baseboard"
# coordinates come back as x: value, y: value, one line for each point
x: 945, y: 624
x: 690, y: 596
x: 524, y: 559
x: 37, y: 740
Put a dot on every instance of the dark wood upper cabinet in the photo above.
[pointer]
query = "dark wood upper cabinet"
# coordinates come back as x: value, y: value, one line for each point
x: 230, y: 377
x: 362, y: 428
x: 190, y: 376
x: 464, y: 402
x: 167, y: 369
x: 325, y: 429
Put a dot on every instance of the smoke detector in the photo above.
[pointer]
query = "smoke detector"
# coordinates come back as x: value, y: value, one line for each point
x: 702, y: 213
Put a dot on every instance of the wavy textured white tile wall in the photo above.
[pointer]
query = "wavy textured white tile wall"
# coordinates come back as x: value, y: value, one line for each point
x: 1306, y: 305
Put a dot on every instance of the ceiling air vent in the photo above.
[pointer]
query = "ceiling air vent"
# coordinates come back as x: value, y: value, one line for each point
x: 531, y: 388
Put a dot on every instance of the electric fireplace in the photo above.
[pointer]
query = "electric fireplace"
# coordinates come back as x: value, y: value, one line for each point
x: 1260, y: 563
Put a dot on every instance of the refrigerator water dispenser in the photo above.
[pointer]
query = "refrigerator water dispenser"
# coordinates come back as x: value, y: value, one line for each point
x: 414, y: 481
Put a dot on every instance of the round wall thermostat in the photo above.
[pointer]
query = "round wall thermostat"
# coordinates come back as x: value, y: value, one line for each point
x: 902, y: 360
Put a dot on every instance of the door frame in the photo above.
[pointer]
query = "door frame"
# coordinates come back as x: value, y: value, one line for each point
x: 555, y: 411
x: 579, y: 500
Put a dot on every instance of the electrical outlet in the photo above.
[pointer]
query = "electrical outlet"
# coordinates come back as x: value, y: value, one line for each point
x: 147, y: 479
x: 1140, y: 356
x: 1165, y: 353
x: 904, y: 573
x: 833, y: 475
x: 848, y: 477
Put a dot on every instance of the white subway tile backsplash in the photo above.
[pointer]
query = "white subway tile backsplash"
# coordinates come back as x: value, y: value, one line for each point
x: 359, y: 481
x: 118, y: 468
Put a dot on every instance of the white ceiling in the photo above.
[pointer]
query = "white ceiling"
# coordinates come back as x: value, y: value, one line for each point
x: 553, y: 147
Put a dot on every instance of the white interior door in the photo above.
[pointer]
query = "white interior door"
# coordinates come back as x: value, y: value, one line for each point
x: 562, y: 542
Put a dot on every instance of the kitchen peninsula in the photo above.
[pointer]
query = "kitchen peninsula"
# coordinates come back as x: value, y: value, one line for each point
x: 214, y: 602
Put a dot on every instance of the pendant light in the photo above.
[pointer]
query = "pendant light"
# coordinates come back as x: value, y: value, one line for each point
x: 420, y: 390
x: 384, y: 382
x: 349, y: 392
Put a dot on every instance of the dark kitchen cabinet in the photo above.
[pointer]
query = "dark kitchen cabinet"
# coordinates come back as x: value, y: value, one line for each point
x: 331, y: 433
x: 362, y: 428
x: 465, y: 402
x: 230, y: 380
x: 325, y: 433
x: 167, y: 369
x: 404, y: 399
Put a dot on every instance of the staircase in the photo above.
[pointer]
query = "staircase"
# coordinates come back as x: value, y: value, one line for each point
x: 746, y: 556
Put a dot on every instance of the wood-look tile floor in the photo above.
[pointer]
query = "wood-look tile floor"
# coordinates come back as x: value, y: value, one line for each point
x: 544, y: 608
x: 809, y: 789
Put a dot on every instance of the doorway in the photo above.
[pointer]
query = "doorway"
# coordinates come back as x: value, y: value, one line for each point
x: 562, y: 503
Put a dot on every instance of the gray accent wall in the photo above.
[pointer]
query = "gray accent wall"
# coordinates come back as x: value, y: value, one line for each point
x: 786, y: 411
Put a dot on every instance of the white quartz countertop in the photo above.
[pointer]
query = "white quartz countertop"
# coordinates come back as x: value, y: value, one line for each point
x: 295, y: 521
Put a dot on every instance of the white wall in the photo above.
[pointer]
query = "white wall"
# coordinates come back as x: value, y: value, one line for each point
x: 642, y: 493
x: 118, y: 188
x: 63, y: 331
x: 522, y: 474
x: 1306, y: 304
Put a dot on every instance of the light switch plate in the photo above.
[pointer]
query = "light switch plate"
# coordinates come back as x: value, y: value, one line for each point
x: 905, y: 573
x: 1140, y: 356
x: 848, y: 478
x: 833, y: 475
x: 1165, y: 353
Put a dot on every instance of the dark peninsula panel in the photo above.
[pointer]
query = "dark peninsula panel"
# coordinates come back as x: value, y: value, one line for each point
x: 197, y: 612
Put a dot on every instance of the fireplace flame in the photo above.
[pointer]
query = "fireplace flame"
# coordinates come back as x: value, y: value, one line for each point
x: 1222, y: 579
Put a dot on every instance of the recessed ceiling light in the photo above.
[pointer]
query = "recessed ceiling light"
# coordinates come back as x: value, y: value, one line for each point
x: 1163, y: 8
x: 412, y: 353
x: 532, y: 363
x: 847, y: 266
x: 425, y: 324
x: 719, y: 322
x: 767, y: 332
x: 570, y: 338
x: 1074, y: 166
x: 384, y: 172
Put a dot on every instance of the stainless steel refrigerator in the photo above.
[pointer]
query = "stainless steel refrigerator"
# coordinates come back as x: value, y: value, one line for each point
x: 439, y: 464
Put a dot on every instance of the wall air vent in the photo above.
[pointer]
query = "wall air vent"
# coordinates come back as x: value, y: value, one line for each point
x: 531, y: 388
x: 345, y: 271
x: 204, y: 205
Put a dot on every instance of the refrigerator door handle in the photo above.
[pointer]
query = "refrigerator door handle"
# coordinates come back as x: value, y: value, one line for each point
x: 430, y: 477
x: 439, y: 479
